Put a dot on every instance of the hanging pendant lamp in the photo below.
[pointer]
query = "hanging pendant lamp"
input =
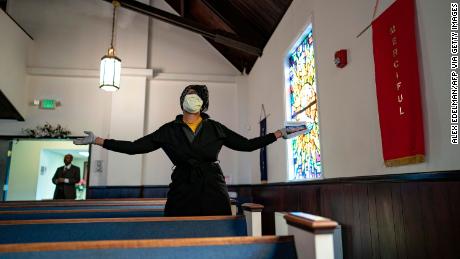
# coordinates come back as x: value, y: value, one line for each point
x: 110, y: 70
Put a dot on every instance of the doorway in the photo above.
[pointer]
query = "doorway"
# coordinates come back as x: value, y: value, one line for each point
x: 34, y: 163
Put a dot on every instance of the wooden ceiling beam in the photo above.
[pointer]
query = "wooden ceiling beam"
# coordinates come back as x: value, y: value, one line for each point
x: 237, y: 22
x: 182, y: 7
x: 190, y: 25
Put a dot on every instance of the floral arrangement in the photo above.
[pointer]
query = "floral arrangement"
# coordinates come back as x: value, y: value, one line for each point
x: 47, y: 131
x: 80, y: 185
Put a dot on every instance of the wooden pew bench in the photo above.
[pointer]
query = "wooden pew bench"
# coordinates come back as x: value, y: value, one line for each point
x: 71, y: 213
x: 84, y: 209
x: 72, y: 229
x: 90, y: 204
x: 58, y: 204
x: 190, y: 248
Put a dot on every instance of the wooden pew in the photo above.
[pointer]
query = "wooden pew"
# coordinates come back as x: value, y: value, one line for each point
x: 226, y: 247
x: 79, y: 229
x: 81, y: 213
x: 85, y: 209
x: 18, y: 205
x: 113, y: 203
x: 58, y: 230
x: 315, y: 236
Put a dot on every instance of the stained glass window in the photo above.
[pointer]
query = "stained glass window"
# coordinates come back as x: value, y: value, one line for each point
x: 304, y: 154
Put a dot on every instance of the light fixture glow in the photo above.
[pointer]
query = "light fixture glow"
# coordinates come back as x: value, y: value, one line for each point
x: 109, y: 79
x: 110, y: 69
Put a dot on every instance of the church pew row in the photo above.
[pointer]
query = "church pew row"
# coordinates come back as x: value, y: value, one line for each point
x: 66, y: 211
x: 74, y: 229
x: 223, y: 247
x: 80, y: 213
x: 91, y: 204
x: 21, y: 205
x: 57, y: 208
x: 315, y: 236
x: 31, y: 231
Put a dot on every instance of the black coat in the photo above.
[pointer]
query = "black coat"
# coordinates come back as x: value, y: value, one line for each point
x: 198, y: 186
x: 66, y: 190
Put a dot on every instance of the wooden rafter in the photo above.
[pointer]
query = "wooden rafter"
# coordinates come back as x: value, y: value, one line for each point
x: 238, y: 23
x: 227, y: 40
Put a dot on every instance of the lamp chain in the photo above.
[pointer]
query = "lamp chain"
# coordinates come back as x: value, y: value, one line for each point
x: 115, y: 5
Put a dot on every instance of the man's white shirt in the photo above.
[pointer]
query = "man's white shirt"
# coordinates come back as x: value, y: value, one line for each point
x: 67, y: 167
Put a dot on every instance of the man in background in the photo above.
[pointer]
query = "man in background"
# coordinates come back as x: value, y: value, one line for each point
x: 65, y: 179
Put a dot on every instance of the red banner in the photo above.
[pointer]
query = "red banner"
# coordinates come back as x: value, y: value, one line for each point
x: 398, y: 84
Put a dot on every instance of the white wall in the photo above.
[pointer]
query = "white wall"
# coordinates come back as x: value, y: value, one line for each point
x: 127, y: 122
x: 76, y: 34
x: 49, y: 161
x: 72, y: 36
x: 349, y: 127
x: 14, y: 44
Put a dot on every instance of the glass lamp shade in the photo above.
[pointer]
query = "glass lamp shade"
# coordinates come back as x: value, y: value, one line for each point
x: 110, y: 70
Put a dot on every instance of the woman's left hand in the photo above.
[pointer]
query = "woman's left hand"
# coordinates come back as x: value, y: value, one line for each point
x: 278, y: 134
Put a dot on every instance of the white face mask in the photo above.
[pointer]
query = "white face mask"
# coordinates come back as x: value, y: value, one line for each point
x: 192, y: 103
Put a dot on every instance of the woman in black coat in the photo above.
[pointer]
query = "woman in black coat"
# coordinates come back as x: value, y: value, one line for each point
x: 192, y: 141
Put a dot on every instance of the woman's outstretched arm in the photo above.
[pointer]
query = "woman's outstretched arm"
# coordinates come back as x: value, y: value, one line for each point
x: 143, y: 145
x: 237, y: 142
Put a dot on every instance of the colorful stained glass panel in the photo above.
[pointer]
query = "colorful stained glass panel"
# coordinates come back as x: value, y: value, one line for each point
x: 304, y: 156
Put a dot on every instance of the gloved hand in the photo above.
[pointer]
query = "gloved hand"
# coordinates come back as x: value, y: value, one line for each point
x: 293, y: 131
x: 90, y: 139
x: 283, y: 131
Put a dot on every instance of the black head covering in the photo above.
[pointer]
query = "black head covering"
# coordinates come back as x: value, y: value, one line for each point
x: 201, y: 91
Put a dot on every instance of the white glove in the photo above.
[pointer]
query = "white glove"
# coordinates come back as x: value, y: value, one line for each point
x: 90, y: 139
x: 293, y: 131
x: 283, y: 130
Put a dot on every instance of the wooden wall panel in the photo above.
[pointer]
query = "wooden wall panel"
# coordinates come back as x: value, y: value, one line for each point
x: 362, y: 245
x: 349, y: 237
x: 379, y: 219
x: 430, y: 228
x: 308, y: 198
x: 442, y: 218
x: 453, y: 190
x: 326, y: 201
x: 415, y: 242
x: 398, y: 220
x: 402, y: 216
x: 373, y: 223
x: 385, y: 221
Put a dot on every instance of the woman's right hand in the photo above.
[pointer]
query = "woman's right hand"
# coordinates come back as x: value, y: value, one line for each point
x: 99, y: 141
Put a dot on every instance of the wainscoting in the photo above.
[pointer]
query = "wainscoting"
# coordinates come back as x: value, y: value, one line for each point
x: 391, y: 216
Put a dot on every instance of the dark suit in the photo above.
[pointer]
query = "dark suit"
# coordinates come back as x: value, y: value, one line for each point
x: 66, y: 190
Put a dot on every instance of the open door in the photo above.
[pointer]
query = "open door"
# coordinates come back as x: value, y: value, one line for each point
x: 5, y: 159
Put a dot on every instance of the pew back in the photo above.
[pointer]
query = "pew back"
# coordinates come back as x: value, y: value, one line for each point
x: 73, y: 213
x: 30, y: 231
x: 20, y: 205
x: 227, y: 247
